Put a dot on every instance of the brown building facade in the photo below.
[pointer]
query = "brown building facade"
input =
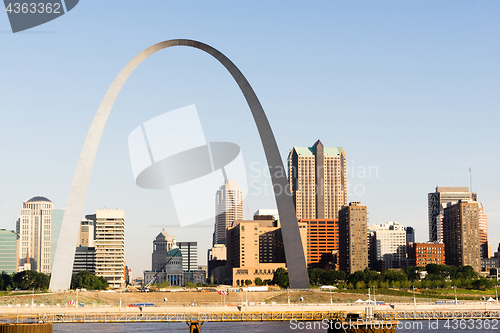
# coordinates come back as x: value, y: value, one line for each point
x: 255, y: 249
x: 318, y: 181
x: 421, y: 254
x: 353, y: 242
x: 322, y: 243
x: 461, y: 234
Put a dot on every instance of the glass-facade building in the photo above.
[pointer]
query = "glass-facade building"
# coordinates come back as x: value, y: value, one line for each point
x: 8, y: 251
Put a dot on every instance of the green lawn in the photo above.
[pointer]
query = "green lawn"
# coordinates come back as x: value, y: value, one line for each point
x: 463, y: 294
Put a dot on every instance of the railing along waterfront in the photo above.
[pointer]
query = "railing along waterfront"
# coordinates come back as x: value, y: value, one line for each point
x: 175, y: 317
x: 244, y: 316
x: 437, y: 314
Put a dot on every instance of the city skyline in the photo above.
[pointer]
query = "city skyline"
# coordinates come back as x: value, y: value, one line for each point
x: 408, y: 84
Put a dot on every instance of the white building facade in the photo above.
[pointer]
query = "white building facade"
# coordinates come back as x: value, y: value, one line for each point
x: 389, y: 242
x: 34, y: 228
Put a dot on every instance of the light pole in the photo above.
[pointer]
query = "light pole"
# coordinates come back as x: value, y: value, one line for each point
x: 455, y: 287
x: 76, y: 305
x: 32, y: 296
x: 496, y: 293
x: 414, y: 299
x: 165, y: 300
x: 496, y: 283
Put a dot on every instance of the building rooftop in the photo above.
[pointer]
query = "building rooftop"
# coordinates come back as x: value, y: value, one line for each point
x: 38, y: 199
x: 163, y: 236
x: 309, y: 151
x: 174, y: 252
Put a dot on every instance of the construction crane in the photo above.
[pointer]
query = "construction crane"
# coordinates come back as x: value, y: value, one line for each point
x: 146, y: 287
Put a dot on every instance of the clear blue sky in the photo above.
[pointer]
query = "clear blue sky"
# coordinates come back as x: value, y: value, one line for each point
x: 409, y: 88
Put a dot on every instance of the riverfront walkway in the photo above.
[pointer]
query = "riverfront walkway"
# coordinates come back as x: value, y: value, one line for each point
x: 244, y: 316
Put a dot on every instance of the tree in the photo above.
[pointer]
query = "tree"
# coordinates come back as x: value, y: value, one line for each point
x: 316, y: 276
x: 280, y: 278
x: 482, y: 284
x: 28, y: 280
x: 5, y: 281
x: 164, y: 284
x: 466, y: 272
x: 88, y: 281
x: 413, y: 273
x: 248, y: 282
x: 258, y: 281
x: 189, y: 285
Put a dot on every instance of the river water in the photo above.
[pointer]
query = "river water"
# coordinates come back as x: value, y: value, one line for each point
x: 442, y: 326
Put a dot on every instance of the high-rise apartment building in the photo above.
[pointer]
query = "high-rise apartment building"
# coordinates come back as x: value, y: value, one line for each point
x: 461, y: 234
x: 389, y: 242
x: 322, y: 243
x: 484, y: 246
x: 161, y: 245
x: 9, y: 251
x: 35, y: 233
x: 229, y: 208
x: 110, y: 245
x: 255, y: 250
x: 318, y: 181
x: 189, y: 255
x: 353, y: 242
x: 437, y: 201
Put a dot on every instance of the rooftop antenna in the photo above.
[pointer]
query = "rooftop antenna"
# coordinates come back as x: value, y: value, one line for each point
x: 470, y: 175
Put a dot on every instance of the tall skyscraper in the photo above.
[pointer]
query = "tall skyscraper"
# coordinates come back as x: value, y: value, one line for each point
x: 437, y: 201
x: 228, y: 208
x: 110, y: 245
x: 318, y: 181
x: 353, y: 243
x: 461, y: 234
x: 35, y: 233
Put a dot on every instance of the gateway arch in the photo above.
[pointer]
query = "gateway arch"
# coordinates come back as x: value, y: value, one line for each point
x: 64, y: 256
